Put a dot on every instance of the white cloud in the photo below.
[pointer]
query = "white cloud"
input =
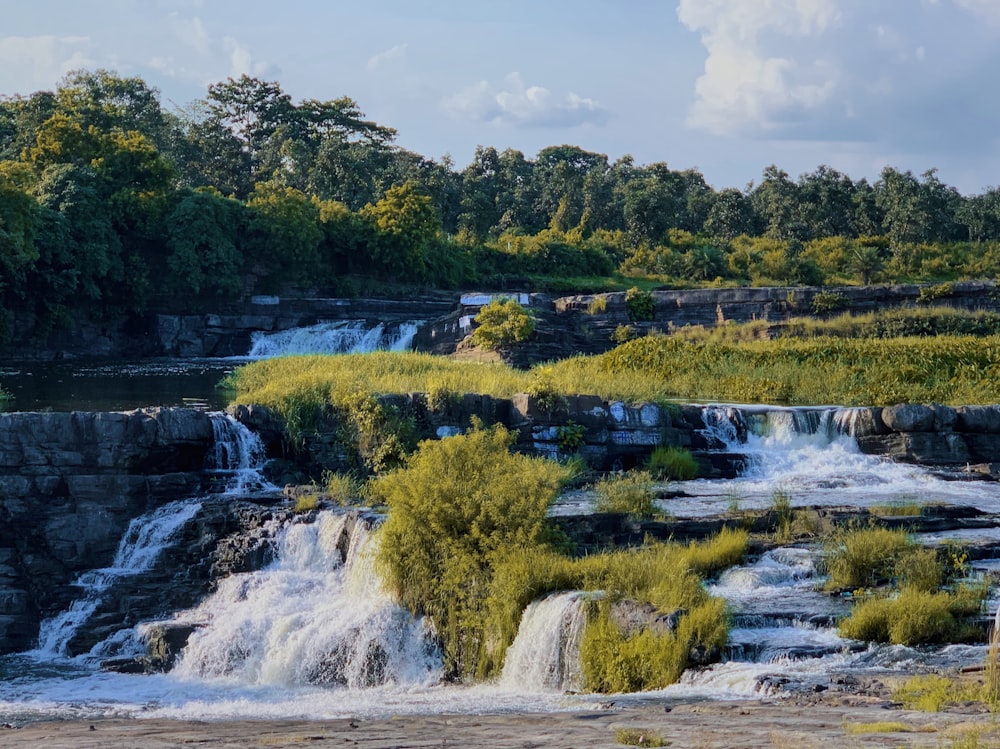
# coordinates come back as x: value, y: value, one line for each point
x: 756, y: 80
x: 393, y: 54
x: 32, y: 63
x: 518, y: 105
x: 192, y: 33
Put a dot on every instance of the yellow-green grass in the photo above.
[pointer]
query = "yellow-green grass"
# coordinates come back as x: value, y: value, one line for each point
x: 943, y: 369
x: 885, y: 726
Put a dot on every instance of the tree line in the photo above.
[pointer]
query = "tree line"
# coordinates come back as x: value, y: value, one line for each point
x: 111, y: 202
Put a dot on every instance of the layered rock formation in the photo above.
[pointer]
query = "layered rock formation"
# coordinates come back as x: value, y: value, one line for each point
x: 69, y: 485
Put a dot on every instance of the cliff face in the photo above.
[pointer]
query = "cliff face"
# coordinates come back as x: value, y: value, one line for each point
x: 69, y: 485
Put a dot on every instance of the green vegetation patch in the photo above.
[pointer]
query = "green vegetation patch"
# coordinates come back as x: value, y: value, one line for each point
x: 467, y: 544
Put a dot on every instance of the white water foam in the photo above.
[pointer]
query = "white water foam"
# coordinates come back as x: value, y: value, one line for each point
x: 240, y: 453
x: 545, y: 655
x: 309, y: 618
x: 342, y: 337
x: 144, y: 540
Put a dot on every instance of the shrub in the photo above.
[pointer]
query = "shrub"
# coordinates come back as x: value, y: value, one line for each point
x: 624, y: 333
x: 306, y: 502
x: 639, y: 304
x: 781, y: 511
x: 501, y: 324
x: 929, y: 294
x: 457, y: 506
x: 570, y: 437
x: 630, y: 493
x: 930, y: 692
x: 674, y: 463
x: 828, y: 301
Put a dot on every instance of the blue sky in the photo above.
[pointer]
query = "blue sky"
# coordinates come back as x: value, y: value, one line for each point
x: 725, y: 86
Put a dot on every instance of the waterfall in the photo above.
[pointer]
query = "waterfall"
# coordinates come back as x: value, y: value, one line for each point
x: 343, y: 337
x: 144, y: 539
x: 240, y: 453
x: 317, y: 615
x: 545, y: 655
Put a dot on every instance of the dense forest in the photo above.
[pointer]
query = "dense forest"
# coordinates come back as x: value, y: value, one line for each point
x: 111, y: 202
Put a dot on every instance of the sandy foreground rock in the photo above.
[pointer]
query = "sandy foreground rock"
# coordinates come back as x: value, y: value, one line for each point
x: 786, y: 724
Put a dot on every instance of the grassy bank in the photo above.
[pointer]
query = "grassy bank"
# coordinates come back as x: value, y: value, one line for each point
x: 813, y: 371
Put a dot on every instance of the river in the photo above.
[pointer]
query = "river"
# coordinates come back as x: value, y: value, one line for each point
x: 312, y: 635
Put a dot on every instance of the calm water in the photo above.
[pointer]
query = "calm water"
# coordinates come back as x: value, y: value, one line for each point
x: 117, y: 385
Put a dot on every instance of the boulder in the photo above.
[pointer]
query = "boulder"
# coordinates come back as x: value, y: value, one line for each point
x: 978, y: 419
x: 908, y: 417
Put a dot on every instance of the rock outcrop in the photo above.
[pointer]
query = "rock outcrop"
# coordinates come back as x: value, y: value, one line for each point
x: 69, y: 485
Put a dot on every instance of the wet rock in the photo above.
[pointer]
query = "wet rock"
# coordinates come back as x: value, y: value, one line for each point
x: 164, y: 643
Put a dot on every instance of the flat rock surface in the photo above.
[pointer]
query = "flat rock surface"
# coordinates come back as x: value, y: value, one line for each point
x: 803, y: 724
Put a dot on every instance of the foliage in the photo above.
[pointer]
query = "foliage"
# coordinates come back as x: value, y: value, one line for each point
x: 623, y: 333
x: 781, y: 510
x: 570, y: 437
x: 456, y: 505
x: 501, y: 324
x: 306, y: 502
x: 931, y: 294
x: 342, y: 488
x: 828, y: 301
x: 617, y: 662
x: 629, y: 493
x: 639, y: 304
x: 672, y: 463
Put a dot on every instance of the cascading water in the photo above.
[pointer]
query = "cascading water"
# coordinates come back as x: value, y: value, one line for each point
x: 545, y: 655
x: 316, y: 616
x: 144, y: 540
x: 239, y: 453
x: 343, y: 337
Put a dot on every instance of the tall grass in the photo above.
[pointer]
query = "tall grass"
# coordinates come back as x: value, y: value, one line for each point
x: 943, y: 369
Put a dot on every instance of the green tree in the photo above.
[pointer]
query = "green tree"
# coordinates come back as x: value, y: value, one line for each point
x: 203, y: 242
x: 407, y: 227
x: 284, y: 236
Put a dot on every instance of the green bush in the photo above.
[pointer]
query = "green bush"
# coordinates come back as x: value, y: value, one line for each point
x: 570, y: 437
x: 930, y: 294
x: 672, y: 463
x: 459, y: 505
x: 828, y: 301
x: 639, y: 304
x: 624, y: 333
x: 630, y: 493
x: 501, y: 324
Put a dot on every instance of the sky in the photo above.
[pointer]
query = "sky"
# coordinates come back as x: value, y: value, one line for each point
x: 727, y: 87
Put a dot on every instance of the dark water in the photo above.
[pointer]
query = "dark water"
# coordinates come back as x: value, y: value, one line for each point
x: 116, y: 385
